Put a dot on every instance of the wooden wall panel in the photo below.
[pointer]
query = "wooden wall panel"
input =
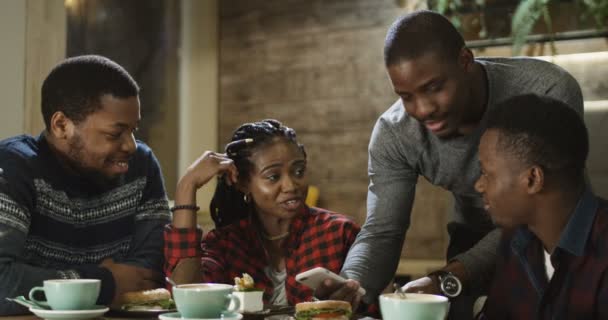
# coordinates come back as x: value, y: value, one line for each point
x: 45, y: 47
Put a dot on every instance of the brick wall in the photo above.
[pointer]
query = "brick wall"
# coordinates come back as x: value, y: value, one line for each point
x: 317, y: 67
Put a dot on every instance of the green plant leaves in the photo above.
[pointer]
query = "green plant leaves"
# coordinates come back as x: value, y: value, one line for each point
x: 524, y: 19
x: 598, y: 9
x: 526, y: 15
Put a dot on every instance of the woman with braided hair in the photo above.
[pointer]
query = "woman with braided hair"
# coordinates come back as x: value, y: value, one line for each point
x: 263, y: 226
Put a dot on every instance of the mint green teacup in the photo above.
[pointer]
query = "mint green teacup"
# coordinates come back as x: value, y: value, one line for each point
x: 418, y: 306
x: 68, y: 294
x: 204, y: 300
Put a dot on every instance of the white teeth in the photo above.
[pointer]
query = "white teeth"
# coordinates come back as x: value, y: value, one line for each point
x: 121, y: 164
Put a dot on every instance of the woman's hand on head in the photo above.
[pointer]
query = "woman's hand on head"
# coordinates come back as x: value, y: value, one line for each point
x: 209, y: 165
x: 203, y: 169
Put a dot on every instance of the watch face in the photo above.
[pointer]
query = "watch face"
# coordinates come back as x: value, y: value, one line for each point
x: 451, y: 286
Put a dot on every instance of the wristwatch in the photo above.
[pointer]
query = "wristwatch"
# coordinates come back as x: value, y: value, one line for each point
x: 449, y: 284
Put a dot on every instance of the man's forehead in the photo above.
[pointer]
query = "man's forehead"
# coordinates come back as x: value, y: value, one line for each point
x: 118, y: 106
x: 417, y: 72
x: 488, y: 141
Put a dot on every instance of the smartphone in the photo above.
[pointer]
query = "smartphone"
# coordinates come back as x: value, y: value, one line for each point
x: 314, y: 277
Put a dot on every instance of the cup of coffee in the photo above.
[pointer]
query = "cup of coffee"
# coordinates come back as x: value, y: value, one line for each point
x: 68, y: 294
x: 205, y: 300
x: 419, y: 306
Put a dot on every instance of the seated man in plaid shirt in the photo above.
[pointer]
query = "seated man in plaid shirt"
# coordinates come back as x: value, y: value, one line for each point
x: 263, y: 226
x: 554, y: 253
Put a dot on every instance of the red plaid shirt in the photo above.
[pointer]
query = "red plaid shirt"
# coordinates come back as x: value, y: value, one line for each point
x: 579, y: 287
x: 317, y: 238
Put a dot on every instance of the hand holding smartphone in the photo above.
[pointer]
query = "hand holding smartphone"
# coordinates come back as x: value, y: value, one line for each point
x: 314, y: 277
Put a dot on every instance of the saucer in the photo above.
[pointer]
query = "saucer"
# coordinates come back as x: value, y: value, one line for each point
x: 69, y: 314
x: 139, y: 313
x: 176, y: 315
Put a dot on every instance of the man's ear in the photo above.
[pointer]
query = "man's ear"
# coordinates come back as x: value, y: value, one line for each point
x: 466, y: 59
x: 61, y: 127
x: 535, y: 179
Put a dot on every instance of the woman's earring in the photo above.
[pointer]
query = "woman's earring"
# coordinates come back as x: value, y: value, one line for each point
x: 246, y: 198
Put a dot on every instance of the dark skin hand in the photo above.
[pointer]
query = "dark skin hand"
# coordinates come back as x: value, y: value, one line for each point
x: 206, y: 167
x: 431, y: 284
x: 427, y: 284
x: 347, y: 291
x: 131, y: 278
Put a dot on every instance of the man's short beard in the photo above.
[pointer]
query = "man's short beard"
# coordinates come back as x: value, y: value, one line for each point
x: 75, y: 159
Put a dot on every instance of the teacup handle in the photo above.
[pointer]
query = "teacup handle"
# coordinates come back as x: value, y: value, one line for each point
x: 38, y: 302
x: 236, y: 303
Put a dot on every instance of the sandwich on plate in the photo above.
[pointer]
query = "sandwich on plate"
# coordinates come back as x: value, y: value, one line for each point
x: 147, y: 300
x: 323, y: 310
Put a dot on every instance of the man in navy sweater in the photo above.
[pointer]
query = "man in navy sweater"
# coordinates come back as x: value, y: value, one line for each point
x: 84, y: 199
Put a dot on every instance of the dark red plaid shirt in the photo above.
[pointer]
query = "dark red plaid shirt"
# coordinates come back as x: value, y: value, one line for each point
x: 317, y: 238
x: 579, y: 287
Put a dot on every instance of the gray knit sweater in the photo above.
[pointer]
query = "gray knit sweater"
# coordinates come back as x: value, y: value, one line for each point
x: 401, y: 149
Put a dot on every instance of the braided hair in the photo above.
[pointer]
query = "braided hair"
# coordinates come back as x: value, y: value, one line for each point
x: 228, y: 204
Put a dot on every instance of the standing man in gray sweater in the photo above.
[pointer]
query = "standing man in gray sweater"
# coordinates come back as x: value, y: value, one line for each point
x: 433, y: 131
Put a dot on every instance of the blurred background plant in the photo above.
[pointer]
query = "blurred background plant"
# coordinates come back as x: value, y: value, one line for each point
x: 525, y: 16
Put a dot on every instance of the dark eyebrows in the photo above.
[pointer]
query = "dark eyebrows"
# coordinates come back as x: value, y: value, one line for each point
x: 431, y: 82
x: 123, y: 125
x: 424, y: 86
x: 274, y: 165
x: 300, y: 162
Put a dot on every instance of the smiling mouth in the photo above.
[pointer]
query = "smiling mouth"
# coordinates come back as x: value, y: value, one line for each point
x: 292, y: 204
x: 435, y: 126
x: 119, y: 166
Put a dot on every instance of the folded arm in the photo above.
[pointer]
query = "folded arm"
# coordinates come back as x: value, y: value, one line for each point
x: 152, y: 215
x: 141, y: 268
x: 17, y: 277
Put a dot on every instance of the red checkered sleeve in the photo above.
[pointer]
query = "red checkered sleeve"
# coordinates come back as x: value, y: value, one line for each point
x: 179, y: 244
x: 215, y: 248
x: 325, y: 239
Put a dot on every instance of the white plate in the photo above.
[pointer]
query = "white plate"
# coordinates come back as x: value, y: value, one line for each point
x: 176, y: 315
x: 149, y: 313
x: 69, y: 314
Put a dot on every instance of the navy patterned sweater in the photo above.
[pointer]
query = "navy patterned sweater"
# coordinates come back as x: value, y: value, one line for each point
x: 54, y: 224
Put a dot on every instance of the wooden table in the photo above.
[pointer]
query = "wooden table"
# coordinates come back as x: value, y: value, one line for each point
x: 110, y: 316
x: 33, y: 317
x: 274, y: 315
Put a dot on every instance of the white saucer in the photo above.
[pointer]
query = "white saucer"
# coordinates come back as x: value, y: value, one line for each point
x: 176, y: 315
x: 69, y: 314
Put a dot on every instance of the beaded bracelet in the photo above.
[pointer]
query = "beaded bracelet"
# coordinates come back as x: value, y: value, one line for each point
x: 185, y: 206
